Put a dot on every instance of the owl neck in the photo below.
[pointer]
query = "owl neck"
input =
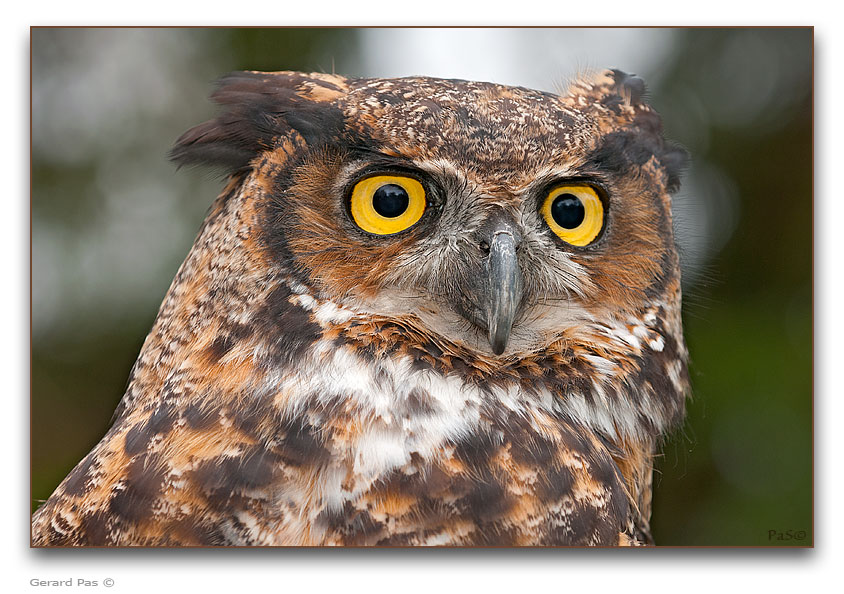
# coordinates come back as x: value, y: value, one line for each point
x: 625, y: 380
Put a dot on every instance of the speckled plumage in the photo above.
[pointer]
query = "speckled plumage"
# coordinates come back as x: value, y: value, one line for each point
x: 306, y: 383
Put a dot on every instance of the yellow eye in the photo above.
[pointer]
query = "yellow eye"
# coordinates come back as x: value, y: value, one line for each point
x: 574, y: 213
x: 387, y: 204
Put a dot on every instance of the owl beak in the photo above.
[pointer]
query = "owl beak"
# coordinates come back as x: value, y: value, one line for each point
x: 504, y: 288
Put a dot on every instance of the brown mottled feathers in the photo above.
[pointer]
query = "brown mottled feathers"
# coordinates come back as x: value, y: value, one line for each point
x: 309, y: 383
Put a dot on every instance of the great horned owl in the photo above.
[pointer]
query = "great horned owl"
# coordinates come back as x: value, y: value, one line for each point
x: 421, y: 312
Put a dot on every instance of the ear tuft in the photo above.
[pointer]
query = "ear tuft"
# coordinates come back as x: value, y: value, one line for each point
x: 629, y: 86
x: 260, y: 108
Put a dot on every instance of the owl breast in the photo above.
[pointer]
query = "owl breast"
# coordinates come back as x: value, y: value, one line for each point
x: 391, y: 449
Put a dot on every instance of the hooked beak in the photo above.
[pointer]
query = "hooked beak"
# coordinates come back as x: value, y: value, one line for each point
x: 504, y: 288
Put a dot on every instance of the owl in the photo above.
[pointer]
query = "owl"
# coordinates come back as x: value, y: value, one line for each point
x: 421, y: 312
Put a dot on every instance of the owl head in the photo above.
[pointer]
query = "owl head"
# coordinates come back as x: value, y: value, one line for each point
x: 467, y: 224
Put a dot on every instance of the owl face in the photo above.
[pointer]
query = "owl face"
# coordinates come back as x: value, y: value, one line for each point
x: 492, y: 219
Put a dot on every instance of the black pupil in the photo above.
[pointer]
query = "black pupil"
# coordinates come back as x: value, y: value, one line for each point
x: 390, y: 200
x: 567, y: 211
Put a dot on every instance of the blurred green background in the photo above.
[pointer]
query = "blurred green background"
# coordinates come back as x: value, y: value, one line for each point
x: 112, y: 220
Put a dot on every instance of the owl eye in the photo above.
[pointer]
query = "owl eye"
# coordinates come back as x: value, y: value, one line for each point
x: 575, y: 213
x: 387, y: 204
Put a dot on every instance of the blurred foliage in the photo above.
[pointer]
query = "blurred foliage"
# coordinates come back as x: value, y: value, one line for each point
x: 743, y: 464
x: 739, y: 99
x: 306, y: 50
